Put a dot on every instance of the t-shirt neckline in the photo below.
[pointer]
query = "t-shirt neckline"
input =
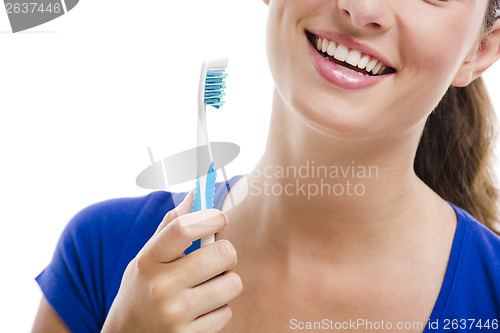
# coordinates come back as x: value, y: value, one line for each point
x: 451, y: 267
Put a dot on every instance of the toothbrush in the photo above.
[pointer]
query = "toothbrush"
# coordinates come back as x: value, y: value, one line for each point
x: 210, y: 93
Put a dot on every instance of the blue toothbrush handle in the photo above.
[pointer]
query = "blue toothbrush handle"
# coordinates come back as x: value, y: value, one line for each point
x: 208, y: 200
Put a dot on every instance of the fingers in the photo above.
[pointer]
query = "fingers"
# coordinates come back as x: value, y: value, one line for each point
x: 179, y: 293
x: 216, y: 292
x: 184, y: 207
x: 169, y: 244
x: 214, y: 321
x: 205, y: 263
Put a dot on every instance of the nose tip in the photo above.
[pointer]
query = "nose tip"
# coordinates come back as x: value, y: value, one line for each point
x: 366, y: 14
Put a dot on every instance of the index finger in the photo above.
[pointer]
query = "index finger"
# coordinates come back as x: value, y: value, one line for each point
x: 177, y: 236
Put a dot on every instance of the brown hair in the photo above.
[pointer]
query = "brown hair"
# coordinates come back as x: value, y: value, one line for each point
x: 455, y: 153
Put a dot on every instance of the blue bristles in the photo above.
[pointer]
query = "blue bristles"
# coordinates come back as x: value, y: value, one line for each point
x: 214, y: 87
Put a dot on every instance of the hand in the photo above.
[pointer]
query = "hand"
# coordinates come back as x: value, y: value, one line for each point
x: 163, y: 290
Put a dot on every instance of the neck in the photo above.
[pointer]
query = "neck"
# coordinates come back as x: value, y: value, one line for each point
x: 321, y: 193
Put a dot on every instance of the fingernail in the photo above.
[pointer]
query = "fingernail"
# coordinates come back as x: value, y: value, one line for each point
x: 189, y: 195
x: 225, y: 217
x: 184, y: 207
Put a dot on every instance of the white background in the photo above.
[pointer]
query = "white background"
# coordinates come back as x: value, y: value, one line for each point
x: 83, y: 96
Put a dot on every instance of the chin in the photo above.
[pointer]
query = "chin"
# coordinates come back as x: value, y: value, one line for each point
x: 344, y: 121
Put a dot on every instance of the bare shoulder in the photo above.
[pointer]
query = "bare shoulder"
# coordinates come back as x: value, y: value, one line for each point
x: 47, y: 320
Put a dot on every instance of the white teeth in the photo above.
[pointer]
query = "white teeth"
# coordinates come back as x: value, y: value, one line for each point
x: 341, y: 53
x: 331, y: 48
x: 319, y: 42
x: 377, y: 68
x: 363, y: 62
x: 324, y: 46
x: 353, y: 57
x: 351, y: 71
x: 381, y: 70
x: 371, y: 65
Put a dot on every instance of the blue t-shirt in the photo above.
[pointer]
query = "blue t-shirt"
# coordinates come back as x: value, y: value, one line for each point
x: 84, y: 275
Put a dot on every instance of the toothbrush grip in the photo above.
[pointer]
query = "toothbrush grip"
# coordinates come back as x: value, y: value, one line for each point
x: 207, y: 240
x: 197, y: 206
x: 204, y: 196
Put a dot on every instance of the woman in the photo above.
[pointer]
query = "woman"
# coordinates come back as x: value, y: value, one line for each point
x: 373, y: 241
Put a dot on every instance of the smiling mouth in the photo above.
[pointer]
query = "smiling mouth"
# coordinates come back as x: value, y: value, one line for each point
x: 350, y: 60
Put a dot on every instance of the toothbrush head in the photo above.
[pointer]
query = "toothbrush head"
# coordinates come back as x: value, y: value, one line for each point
x: 214, y: 87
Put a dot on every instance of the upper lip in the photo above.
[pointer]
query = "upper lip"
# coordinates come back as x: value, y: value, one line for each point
x: 351, y: 44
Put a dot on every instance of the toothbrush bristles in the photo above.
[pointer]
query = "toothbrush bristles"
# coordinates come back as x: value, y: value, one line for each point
x: 214, y: 87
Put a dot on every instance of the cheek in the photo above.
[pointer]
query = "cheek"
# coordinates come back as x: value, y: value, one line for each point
x: 437, y: 43
x: 431, y: 51
x: 274, y: 36
x: 432, y: 59
x: 285, y: 34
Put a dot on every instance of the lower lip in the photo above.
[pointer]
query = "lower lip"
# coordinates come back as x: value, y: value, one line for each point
x: 335, y: 75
